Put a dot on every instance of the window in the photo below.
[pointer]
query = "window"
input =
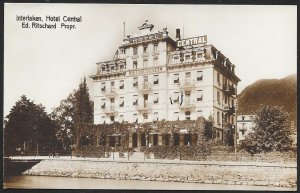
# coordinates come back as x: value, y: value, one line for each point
x: 112, y: 67
x: 135, y: 82
x: 103, y: 86
x: 145, y: 49
x: 176, y: 78
x: 134, y: 50
x: 121, y: 84
x: 155, y: 100
x: 155, y: 116
x: 121, y: 101
x: 103, y: 118
x: 187, y: 58
x: 199, y: 56
x: 218, y: 117
x: 176, y: 59
x: 155, y: 47
x: 102, y: 103
x: 145, y: 115
x: 112, y: 83
x: 135, y: 99
x: 112, y: 118
x: 155, y: 61
x: 123, y: 51
x: 176, y: 97
x: 122, y: 67
x: 135, y: 118
x: 188, y: 115
x: 199, y: 95
x: 218, y: 77
x: 103, y: 69
x: 112, y: 103
x: 218, y: 97
x: 145, y: 63
x: 188, y: 75
x: 200, y: 113
x: 156, y: 79
x: 145, y: 79
x: 134, y: 64
x: 187, y: 96
x: 199, y: 75
x: 121, y: 118
x: 225, y: 99
x: 176, y: 115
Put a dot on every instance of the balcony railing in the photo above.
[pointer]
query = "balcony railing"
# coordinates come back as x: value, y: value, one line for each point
x: 110, y: 110
x: 144, y: 107
x: 145, y: 87
x: 230, y: 90
x: 229, y: 110
x: 187, y: 104
x: 110, y: 91
x: 187, y: 84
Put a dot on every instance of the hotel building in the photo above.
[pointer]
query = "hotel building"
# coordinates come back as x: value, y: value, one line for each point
x: 153, y: 77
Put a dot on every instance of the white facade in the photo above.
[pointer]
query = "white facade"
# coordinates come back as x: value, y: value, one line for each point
x: 152, y: 79
x: 245, y: 125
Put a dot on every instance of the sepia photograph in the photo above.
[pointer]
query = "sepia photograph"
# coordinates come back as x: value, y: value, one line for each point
x: 150, y: 97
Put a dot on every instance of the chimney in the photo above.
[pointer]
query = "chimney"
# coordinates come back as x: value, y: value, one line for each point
x: 178, y: 34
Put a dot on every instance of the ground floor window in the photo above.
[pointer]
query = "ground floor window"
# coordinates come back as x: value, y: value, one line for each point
x: 166, y: 139
x: 155, y: 139
x: 143, y: 139
x: 114, y: 140
x: 187, y: 139
x: 176, y: 138
x: 134, y: 140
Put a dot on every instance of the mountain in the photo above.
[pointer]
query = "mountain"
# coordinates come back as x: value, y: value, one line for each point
x: 279, y: 92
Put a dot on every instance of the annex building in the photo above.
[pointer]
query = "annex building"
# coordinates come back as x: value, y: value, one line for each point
x: 154, y: 77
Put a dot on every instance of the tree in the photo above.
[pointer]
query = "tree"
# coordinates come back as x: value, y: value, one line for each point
x: 26, y: 122
x: 271, y: 131
x: 76, y: 108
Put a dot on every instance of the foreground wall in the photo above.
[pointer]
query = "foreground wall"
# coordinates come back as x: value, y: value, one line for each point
x: 264, y: 174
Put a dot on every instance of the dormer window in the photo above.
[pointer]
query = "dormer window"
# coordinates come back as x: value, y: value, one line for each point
x: 187, y: 58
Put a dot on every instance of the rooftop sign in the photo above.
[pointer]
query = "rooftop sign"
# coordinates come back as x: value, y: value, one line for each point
x: 145, y: 38
x: 192, y: 41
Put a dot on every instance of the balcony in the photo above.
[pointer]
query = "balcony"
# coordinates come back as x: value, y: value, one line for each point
x: 110, y: 92
x: 144, y: 88
x: 229, y: 109
x: 230, y: 90
x: 144, y: 107
x: 187, y: 104
x: 110, y: 110
x: 187, y: 84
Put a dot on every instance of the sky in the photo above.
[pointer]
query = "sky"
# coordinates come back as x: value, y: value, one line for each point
x: 46, y: 65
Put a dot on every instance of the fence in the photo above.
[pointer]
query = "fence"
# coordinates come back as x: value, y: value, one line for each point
x: 273, y: 157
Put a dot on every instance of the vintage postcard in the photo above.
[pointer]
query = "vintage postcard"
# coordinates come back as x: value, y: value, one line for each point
x: 150, y: 97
